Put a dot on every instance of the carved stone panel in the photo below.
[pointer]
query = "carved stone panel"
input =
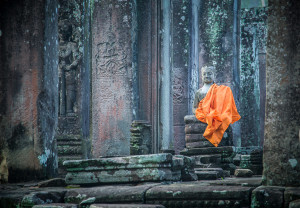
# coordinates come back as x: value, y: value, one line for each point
x: 111, y: 77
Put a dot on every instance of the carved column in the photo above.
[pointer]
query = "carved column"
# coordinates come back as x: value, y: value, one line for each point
x: 180, y: 54
x: 112, y: 74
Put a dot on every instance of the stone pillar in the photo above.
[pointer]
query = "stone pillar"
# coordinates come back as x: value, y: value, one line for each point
x: 166, y: 111
x: 193, y: 71
x: 180, y: 54
x: 281, y: 146
x: 28, y: 89
x: 112, y: 74
x: 253, y: 29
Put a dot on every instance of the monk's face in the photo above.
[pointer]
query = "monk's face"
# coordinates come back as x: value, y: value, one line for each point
x: 207, y: 76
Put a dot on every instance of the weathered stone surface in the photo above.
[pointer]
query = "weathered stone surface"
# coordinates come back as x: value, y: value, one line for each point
x: 249, y: 182
x: 56, y: 205
x: 191, y: 119
x: 28, y: 89
x: 199, y: 144
x: 208, y: 175
x: 208, y: 159
x: 195, y: 128
x: 295, y: 204
x: 224, y: 151
x: 253, y: 36
x: 126, y: 206
x: 190, y: 138
x: 138, y: 161
x: 42, y: 197
x: 180, y: 34
x: 109, y: 194
x: 155, y: 167
x: 267, y: 197
x: 193, y: 195
x: 291, y: 194
x: 243, y: 173
x: 55, y: 182
x: 112, y: 77
x: 187, y: 170
x: 281, y: 144
x: 141, y: 139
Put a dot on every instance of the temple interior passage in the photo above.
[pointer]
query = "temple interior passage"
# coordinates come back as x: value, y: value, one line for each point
x: 149, y: 103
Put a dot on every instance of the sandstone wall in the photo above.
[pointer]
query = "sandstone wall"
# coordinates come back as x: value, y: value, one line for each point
x: 28, y: 92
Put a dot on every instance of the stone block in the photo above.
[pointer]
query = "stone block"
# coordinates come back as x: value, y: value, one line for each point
x: 187, y: 170
x: 224, y: 151
x: 126, y: 206
x: 190, y: 138
x: 141, y: 140
x: 190, y: 119
x: 56, y: 205
x: 109, y: 194
x: 208, y: 159
x: 294, y: 204
x: 243, y: 173
x: 195, y: 195
x: 54, y: 182
x: 195, y: 128
x: 42, y: 197
x: 198, y: 144
x: 208, y: 175
x: 267, y: 197
x: 291, y: 194
x: 139, y: 168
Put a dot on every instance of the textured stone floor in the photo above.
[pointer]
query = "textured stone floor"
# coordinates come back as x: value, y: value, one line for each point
x: 230, y: 192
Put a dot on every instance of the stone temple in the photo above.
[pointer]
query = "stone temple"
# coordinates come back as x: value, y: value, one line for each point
x: 96, y: 103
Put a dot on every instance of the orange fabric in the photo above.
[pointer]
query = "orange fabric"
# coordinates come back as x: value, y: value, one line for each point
x: 218, y: 110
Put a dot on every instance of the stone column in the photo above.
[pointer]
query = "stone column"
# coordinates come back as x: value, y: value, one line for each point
x: 253, y: 34
x: 112, y: 30
x: 28, y: 89
x: 193, y: 71
x: 180, y: 54
x: 282, y: 146
x: 166, y: 111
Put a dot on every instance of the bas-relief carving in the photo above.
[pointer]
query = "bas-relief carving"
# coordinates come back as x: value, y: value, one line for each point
x: 110, y: 59
x: 178, y: 90
x: 69, y: 66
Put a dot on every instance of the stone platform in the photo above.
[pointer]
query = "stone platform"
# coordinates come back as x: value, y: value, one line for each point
x: 139, y: 168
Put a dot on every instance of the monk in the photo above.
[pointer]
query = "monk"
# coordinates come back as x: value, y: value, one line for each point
x: 215, y: 106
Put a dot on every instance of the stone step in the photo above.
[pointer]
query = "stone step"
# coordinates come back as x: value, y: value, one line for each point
x: 56, y: 205
x: 195, y: 195
x: 207, y: 159
x: 227, y: 151
x: 195, y: 128
x: 61, y: 158
x: 66, y: 137
x: 69, y: 150
x: 198, y: 144
x: 138, y: 168
x: 126, y: 206
x: 209, y: 173
x: 189, y: 138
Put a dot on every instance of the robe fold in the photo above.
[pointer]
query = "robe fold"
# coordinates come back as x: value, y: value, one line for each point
x: 218, y: 110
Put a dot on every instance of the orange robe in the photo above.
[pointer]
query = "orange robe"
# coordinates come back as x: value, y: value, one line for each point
x: 218, y: 110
